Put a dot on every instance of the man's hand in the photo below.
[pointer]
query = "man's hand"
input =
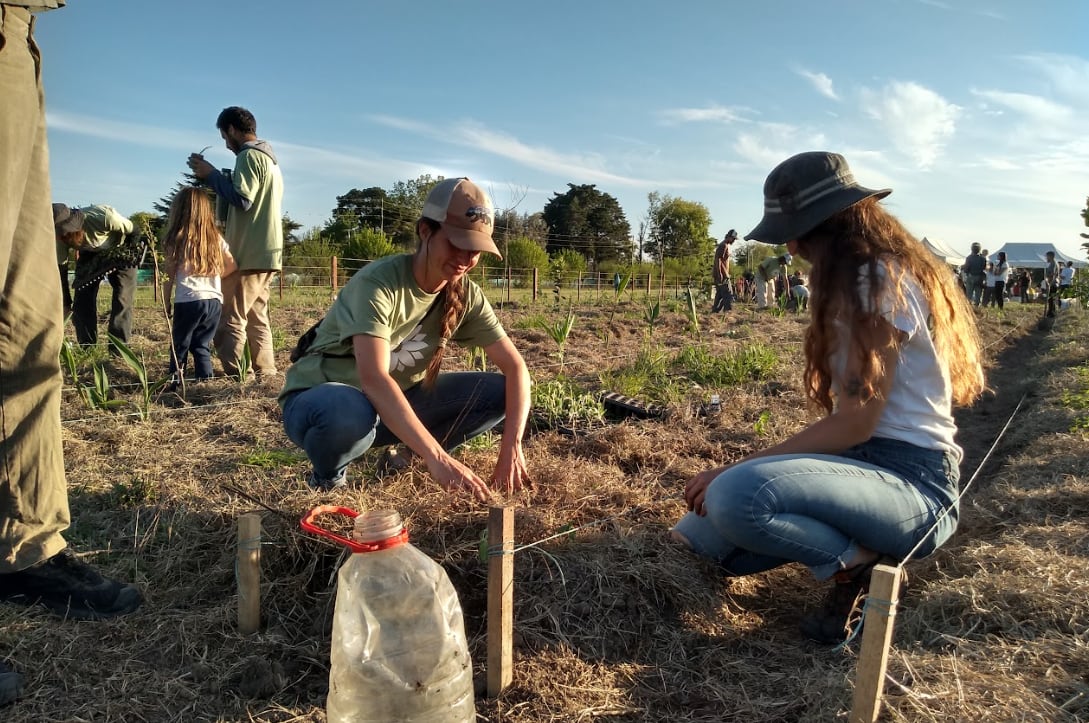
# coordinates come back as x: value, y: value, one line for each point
x: 200, y: 167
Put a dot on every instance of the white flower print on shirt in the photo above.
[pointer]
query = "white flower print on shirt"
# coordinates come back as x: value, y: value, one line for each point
x: 410, y: 351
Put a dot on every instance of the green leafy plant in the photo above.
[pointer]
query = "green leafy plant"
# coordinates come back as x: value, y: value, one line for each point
x: 559, y: 331
x: 559, y: 403
x: 147, y: 388
x: 272, y: 458
x: 651, y: 315
x: 245, y: 364
x: 98, y: 394
x: 760, y: 426
x: 690, y: 310
x: 477, y: 358
x: 750, y: 363
x: 134, y: 492
x: 68, y: 360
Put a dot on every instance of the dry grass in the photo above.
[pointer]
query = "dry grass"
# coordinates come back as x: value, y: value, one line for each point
x: 611, y: 623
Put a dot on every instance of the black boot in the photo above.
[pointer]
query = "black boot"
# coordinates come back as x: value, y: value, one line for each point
x: 841, y: 614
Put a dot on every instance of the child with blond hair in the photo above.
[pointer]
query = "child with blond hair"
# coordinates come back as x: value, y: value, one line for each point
x: 197, y: 257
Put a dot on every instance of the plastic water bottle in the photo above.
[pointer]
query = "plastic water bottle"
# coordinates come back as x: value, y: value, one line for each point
x: 399, y: 651
x: 716, y: 404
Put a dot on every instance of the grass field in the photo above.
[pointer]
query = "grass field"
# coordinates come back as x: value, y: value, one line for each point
x: 611, y: 622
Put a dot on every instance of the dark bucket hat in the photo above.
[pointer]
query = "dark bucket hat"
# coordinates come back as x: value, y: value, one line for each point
x: 66, y: 220
x: 805, y: 190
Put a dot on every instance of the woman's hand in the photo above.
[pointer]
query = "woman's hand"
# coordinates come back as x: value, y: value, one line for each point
x: 452, y: 475
x: 696, y: 489
x: 511, y: 473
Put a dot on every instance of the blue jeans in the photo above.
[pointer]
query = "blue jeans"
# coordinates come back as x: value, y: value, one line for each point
x: 195, y: 324
x: 336, y: 423
x: 884, y: 495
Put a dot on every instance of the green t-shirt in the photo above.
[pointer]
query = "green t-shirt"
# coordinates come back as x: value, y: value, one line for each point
x: 103, y: 227
x: 256, y: 236
x: 383, y: 300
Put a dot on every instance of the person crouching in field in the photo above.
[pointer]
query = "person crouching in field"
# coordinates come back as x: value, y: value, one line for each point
x: 891, y: 346
x: 371, y: 376
x: 197, y: 257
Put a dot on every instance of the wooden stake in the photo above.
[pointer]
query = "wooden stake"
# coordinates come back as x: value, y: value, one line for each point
x: 500, y: 599
x: 249, y: 573
x: 876, y: 637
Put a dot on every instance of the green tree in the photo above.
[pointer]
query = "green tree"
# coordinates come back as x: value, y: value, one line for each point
x: 678, y: 229
x: 290, y: 226
x: 367, y: 245
x: 405, y: 204
x: 524, y: 255
x: 588, y: 221
x: 362, y: 208
x: 565, y: 263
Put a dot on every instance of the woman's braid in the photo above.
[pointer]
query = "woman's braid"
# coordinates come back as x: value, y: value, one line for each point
x: 453, y: 305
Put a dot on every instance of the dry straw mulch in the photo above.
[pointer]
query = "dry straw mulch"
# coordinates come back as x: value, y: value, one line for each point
x: 611, y: 622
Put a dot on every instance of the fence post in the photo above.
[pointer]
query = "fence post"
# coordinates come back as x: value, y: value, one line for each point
x: 578, y: 289
x: 333, y: 273
x: 508, y: 283
x: 535, y: 280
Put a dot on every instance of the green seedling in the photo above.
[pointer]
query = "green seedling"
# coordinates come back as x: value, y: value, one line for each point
x: 148, y: 389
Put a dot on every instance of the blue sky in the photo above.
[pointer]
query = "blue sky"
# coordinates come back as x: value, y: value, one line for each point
x: 974, y: 111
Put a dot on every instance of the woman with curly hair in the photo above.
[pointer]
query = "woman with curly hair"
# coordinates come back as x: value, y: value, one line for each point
x: 370, y: 377
x: 891, y: 347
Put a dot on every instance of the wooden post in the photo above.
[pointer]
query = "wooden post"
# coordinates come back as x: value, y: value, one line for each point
x: 249, y: 573
x: 500, y: 599
x: 578, y: 288
x: 333, y: 273
x: 880, y: 613
x: 535, y: 280
x: 508, y: 283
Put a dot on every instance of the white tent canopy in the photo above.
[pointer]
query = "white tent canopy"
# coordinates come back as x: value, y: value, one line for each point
x: 1032, y: 255
x: 943, y: 251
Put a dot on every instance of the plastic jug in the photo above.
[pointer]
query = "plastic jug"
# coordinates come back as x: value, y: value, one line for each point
x: 399, y: 651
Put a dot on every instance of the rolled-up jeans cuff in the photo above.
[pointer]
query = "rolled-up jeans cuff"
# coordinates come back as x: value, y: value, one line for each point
x: 828, y: 569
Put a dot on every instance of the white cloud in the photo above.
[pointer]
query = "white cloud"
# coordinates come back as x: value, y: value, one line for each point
x: 711, y: 114
x: 821, y: 82
x: 1067, y: 74
x: 917, y: 120
x: 468, y: 134
x: 135, y: 133
x: 1036, y: 108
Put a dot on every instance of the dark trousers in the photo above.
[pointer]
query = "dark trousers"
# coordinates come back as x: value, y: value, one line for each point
x: 195, y: 324
x: 724, y: 300
x: 85, y: 306
x: 66, y: 290
x: 999, y: 294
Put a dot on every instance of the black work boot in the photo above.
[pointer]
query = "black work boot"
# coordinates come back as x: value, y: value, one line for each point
x: 841, y: 613
x: 11, y: 684
x: 71, y: 588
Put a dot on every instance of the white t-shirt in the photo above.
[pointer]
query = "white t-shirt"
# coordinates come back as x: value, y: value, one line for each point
x: 920, y: 403
x: 198, y: 288
x: 1066, y: 276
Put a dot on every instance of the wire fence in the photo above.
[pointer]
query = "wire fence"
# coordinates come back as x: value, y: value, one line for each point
x: 503, y: 284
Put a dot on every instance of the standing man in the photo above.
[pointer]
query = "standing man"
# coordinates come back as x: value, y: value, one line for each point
x: 1051, y: 275
x: 975, y: 274
x: 1066, y: 279
x: 720, y: 274
x: 36, y: 566
x: 767, y: 274
x: 98, y: 234
x: 254, y: 192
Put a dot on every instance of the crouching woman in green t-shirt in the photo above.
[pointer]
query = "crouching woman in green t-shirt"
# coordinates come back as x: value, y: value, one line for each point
x: 371, y: 375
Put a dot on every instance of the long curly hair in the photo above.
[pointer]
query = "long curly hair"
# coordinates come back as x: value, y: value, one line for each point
x: 862, y: 236
x: 453, y: 305
x: 192, y: 238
